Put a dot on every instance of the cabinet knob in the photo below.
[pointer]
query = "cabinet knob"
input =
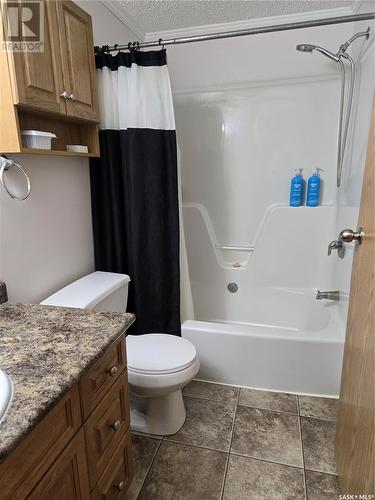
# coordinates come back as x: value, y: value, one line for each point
x: 65, y: 95
x: 71, y: 98
x: 112, y: 371
x: 116, y: 425
x: 121, y: 485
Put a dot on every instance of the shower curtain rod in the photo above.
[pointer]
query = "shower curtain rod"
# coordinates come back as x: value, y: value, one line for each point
x: 244, y: 32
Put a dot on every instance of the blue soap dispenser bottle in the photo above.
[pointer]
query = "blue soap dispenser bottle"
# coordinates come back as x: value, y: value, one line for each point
x: 297, y: 187
x: 313, y: 189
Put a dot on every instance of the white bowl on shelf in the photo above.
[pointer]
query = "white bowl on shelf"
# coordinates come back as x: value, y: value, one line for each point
x: 36, y: 139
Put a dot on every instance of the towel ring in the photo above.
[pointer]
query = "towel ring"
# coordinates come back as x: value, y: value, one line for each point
x: 6, y: 164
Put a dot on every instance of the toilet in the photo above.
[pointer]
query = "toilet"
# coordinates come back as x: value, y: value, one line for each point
x: 159, y: 365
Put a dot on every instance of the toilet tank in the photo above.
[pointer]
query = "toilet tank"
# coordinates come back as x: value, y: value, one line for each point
x: 98, y: 290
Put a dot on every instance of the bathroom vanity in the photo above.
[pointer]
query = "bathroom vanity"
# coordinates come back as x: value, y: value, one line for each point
x: 67, y: 432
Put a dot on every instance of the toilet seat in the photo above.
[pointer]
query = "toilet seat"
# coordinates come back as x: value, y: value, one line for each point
x: 159, y: 354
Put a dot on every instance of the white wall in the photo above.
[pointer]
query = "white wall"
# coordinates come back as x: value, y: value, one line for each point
x: 267, y: 57
x: 46, y: 241
x: 108, y: 29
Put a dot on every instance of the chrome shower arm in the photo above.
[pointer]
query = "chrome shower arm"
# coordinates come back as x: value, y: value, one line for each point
x: 344, y: 47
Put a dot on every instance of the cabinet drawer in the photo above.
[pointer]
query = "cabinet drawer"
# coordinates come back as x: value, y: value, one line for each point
x: 29, y: 461
x: 117, y: 476
x: 97, y: 381
x: 106, y: 426
x: 67, y: 478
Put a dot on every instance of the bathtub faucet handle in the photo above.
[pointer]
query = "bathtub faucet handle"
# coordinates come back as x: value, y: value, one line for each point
x: 337, y: 245
x: 346, y: 236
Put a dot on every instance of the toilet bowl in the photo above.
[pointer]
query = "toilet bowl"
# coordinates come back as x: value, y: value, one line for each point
x: 159, y: 365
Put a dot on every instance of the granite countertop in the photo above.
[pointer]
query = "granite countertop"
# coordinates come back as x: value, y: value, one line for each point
x: 45, y: 349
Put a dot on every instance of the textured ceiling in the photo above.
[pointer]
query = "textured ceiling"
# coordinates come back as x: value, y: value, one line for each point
x: 163, y: 15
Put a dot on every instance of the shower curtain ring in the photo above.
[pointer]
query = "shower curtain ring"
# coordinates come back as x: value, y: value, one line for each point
x: 161, y: 43
x: 129, y: 46
x: 138, y: 47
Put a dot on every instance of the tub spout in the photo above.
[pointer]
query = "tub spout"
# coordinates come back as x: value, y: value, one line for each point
x: 330, y: 295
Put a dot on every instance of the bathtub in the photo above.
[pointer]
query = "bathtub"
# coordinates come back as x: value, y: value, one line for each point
x: 282, y: 340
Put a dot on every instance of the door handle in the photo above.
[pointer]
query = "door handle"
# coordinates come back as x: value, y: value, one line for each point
x: 348, y: 235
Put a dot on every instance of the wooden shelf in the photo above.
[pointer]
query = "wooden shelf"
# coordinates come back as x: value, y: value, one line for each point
x: 54, y: 152
x: 67, y: 132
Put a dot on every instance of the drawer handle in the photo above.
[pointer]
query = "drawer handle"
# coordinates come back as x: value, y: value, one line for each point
x: 116, y: 425
x: 112, y: 371
x: 121, y: 485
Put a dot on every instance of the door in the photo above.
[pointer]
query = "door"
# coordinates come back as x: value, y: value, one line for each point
x: 68, y: 476
x: 356, y: 418
x: 77, y: 54
x: 38, y: 74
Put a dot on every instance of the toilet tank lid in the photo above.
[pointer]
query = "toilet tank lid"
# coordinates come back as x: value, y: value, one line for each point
x: 88, y: 291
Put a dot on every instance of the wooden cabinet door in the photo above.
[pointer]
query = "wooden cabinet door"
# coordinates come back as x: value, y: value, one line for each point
x: 106, y: 426
x: 355, y: 446
x: 116, y: 479
x: 77, y: 54
x: 30, y: 461
x: 68, y: 476
x: 38, y: 75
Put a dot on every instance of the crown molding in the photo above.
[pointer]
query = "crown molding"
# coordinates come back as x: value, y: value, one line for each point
x: 113, y: 7
x: 247, y: 24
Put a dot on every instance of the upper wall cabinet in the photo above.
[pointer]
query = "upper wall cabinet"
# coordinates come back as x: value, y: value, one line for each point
x: 38, y: 75
x: 53, y: 90
x: 77, y: 60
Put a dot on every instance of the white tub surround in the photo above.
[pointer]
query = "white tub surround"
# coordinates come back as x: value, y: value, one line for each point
x: 289, y: 343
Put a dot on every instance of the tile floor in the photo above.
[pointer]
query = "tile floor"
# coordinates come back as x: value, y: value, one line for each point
x: 241, y: 444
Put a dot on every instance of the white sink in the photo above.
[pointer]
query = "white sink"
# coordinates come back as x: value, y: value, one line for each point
x: 6, y: 394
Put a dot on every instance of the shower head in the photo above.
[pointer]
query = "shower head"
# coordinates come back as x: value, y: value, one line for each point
x: 306, y: 47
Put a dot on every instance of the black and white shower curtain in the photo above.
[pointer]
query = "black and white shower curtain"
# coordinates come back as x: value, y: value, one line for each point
x: 134, y: 186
